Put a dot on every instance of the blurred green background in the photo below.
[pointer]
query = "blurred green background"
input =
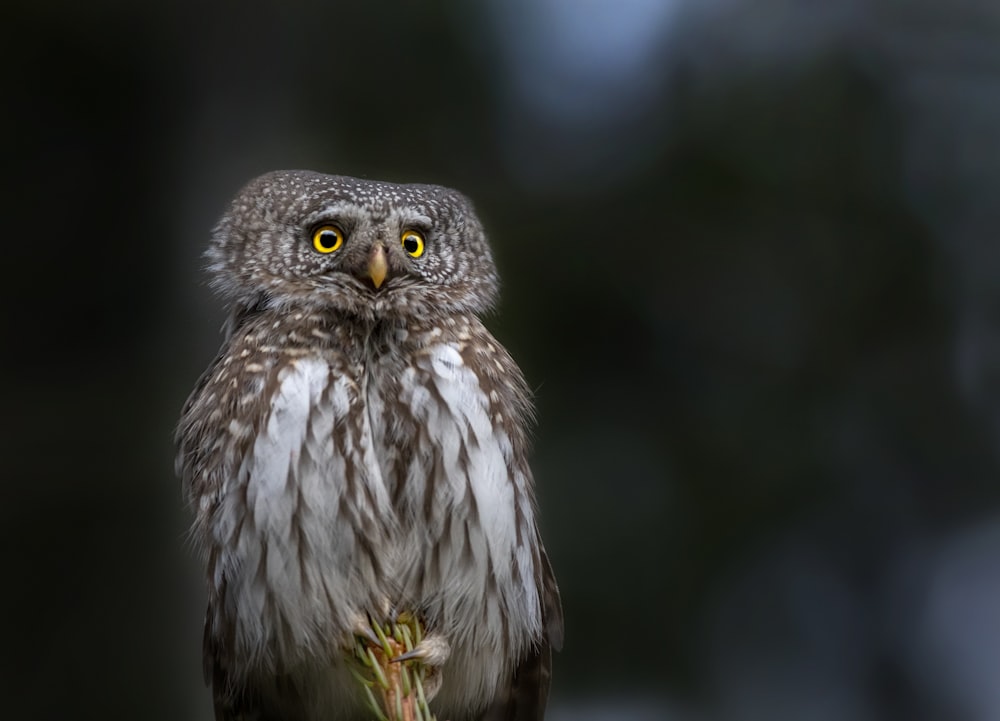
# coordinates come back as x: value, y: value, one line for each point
x: 750, y: 262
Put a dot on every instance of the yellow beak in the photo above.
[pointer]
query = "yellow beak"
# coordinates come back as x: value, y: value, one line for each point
x: 377, y: 265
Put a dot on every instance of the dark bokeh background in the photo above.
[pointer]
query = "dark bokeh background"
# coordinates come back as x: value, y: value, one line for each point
x: 751, y: 269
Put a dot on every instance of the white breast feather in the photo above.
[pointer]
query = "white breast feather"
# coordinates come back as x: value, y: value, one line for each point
x: 289, y: 570
x: 459, y: 414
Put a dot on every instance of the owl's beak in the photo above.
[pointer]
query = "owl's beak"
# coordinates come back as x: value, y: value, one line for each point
x: 377, y: 265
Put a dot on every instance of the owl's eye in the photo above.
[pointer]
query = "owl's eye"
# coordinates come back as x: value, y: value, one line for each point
x: 413, y: 243
x: 328, y: 238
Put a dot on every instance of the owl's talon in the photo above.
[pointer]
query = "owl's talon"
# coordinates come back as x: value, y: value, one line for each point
x: 362, y: 627
x: 432, y: 651
x: 369, y: 635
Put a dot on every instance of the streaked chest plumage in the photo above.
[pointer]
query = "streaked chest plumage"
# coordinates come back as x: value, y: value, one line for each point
x: 345, y: 470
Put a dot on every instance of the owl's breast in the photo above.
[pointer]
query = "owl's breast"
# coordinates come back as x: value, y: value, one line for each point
x: 392, y: 479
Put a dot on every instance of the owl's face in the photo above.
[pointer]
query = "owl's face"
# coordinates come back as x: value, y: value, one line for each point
x: 304, y: 239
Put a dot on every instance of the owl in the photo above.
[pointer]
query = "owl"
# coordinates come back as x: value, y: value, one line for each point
x: 359, y: 446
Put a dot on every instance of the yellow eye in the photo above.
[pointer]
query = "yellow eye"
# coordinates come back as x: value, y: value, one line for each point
x: 413, y: 243
x: 328, y: 238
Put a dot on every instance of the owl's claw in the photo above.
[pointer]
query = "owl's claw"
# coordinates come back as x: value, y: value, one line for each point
x: 362, y: 626
x: 433, y: 650
x: 368, y: 635
x: 431, y: 653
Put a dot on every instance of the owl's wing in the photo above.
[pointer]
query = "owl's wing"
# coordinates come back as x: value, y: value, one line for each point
x: 243, y: 702
x: 527, y: 695
x: 552, y: 615
x: 525, y: 698
x: 229, y: 704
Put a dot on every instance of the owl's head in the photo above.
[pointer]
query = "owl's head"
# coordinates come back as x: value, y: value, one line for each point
x: 299, y: 239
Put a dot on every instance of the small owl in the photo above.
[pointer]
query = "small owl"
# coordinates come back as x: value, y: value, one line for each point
x: 359, y: 446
